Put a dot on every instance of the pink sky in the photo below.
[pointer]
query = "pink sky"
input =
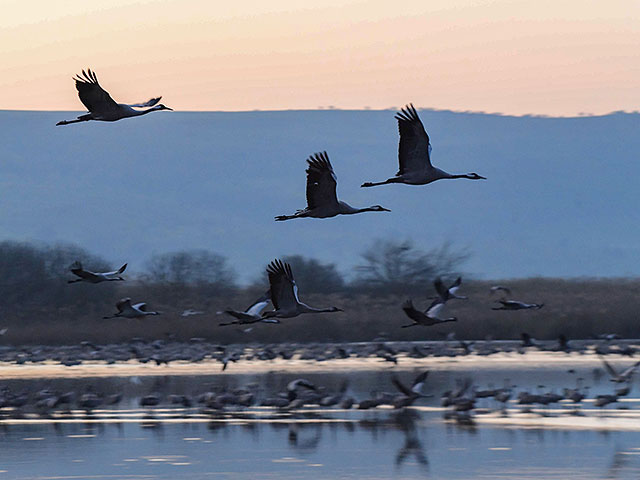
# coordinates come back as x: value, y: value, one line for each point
x: 516, y: 57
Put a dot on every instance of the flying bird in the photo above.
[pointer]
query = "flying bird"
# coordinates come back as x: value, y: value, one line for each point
x: 427, y: 318
x: 620, y: 377
x: 409, y: 395
x: 516, y: 305
x: 414, y: 154
x: 451, y: 292
x: 252, y: 313
x: 322, y: 201
x: 284, y: 294
x: 93, y: 277
x: 506, y: 291
x: 102, y: 107
x: 126, y: 310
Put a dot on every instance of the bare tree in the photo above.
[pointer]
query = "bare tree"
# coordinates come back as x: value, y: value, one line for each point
x: 397, y: 266
x: 316, y: 277
x: 191, y: 268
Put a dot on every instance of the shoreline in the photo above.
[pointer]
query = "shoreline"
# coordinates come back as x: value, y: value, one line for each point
x: 538, y: 359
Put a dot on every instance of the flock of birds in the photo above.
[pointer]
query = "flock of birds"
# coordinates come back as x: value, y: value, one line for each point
x: 460, y: 402
x: 415, y: 168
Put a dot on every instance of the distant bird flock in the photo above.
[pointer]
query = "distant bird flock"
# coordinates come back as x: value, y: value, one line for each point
x: 415, y: 168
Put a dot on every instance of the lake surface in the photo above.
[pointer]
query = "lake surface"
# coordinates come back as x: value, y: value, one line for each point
x: 129, y: 442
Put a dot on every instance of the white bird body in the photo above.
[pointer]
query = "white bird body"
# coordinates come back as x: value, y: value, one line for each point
x: 95, y: 277
x: 102, y: 107
x: 126, y: 310
x: 322, y: 200
x: 252, y: 314
x: 284, y: 294
x: 414, y: 154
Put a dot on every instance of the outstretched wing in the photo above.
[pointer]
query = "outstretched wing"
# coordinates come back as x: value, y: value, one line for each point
x: 321, y: 181
x: 414, y: 151
x: 401, y: 386
x: 123, y: 304
x: 148, y: 103
x: 282, y: 285
x: 76, y: 269
x: 435, y: 308
x: 630, y: 370
x: 443, y: 292
x: 418, y: 382
x: 411, y: 311
x: 609, y: 368
x: 92, y: 95
x: 455, y: 286
x: 260, y: 304
x: 117, y: 272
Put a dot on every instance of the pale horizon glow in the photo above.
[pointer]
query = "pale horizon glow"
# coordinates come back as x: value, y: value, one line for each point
x: 514, y: 57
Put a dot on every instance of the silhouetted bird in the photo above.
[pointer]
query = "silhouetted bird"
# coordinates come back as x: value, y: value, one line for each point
x: 414, y: 154
x: 102, y: 107
x: 322, y: 201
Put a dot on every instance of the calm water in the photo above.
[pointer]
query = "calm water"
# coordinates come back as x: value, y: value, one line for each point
x: 381, y: 445
x: 130, y: 443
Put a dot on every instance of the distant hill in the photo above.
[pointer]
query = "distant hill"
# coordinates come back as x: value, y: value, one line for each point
x: 561, y: 197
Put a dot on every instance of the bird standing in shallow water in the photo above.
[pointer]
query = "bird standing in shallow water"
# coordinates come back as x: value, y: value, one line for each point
x: 322, y: 200
x: 102, y: 107
x: 414, y: 154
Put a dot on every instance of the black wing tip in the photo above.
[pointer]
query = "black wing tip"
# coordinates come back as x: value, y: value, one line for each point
x: 88, y: 76
x: 278, y: 267
x: 319, y: 161
x: 407, y: 114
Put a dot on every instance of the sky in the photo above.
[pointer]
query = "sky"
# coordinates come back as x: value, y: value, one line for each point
x: 542, y: 57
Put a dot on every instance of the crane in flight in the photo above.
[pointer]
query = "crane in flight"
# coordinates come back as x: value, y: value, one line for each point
x: 414, y: 154
x: 126, y: 310
x: 284, y: 294
x: 93, y: 277
x: 102, y: 107
x: 251, y: 314
x: 322, y: 201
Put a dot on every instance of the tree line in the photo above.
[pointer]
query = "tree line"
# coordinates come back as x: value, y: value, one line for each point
x: 38, y: 306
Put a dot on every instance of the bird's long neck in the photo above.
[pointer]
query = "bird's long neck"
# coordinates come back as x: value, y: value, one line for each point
x: 366, y: 209
x: 346, y: 209
x: 460, y: 175
x: 307, y: 309
x: 137, y: 113
x: 389, y: 180
x: 444, y: 320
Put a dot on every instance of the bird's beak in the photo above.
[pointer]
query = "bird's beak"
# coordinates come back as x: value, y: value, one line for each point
x: 483, y: 178
x: 167, y: 108
x: 385, y: 209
